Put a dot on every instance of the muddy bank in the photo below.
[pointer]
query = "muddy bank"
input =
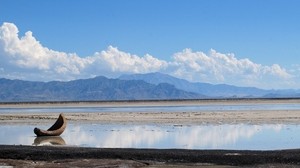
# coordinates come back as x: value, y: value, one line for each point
x: 150, y: 157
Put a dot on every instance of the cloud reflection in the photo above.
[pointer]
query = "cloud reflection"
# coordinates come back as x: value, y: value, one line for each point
x: 187, y: 137
x: 135, y: 136
x: 219, y: 136
x: 79, y: 136
x: 239, y: 136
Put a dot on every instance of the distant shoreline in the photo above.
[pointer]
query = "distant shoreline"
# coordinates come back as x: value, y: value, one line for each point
x: 213, y: 100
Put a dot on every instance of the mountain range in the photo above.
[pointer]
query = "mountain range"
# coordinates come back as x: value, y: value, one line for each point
x: 151, y: 86
x: 94, y: 89
x: 210, y: 90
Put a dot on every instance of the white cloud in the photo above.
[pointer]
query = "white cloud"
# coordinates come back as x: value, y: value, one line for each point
x: 224, y: 68
x: 119, y: 61
x: 26, y: 58
x: 26, y: 53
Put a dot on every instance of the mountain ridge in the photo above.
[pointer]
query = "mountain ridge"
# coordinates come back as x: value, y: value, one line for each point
x: 151, y: 86
x: 98, y: 88
x: 211, y: 90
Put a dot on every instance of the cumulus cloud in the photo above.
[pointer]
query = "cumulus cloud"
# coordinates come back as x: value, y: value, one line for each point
x: 26, y: 58
x: 26, y: 53
x: 119, y: 61
x: 223, y: 68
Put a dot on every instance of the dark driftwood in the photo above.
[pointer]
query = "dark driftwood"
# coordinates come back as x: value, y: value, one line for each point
x: 55, y: 130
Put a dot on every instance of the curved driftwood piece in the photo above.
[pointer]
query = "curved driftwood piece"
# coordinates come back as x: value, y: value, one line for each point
x: 55, y: 130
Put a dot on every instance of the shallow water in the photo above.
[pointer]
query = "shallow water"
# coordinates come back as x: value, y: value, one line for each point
x: 185, y: 108
x: 240, y: 136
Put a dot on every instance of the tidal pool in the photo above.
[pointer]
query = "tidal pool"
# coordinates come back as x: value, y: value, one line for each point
x: 239, y: 136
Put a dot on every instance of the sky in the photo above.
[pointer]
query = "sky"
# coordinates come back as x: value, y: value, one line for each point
x: 243, y: 43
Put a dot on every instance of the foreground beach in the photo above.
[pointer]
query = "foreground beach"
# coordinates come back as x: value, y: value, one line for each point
x: 31, y: 156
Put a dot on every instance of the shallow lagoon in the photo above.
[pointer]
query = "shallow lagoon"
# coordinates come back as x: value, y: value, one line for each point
x: 240, y: 136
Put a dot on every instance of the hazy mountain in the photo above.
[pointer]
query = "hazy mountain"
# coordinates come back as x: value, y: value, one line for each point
x: 214, y: 91
x: 99, y: 88
x: 128, y: 87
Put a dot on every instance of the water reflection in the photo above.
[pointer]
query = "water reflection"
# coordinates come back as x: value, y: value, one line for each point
x: 49, y: 140
x: 81, y: 135
x: 239, y: 136
x: 221, y: 136
x: 186, y: 137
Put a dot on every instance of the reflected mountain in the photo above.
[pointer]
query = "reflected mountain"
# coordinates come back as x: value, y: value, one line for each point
x: 49, y: 140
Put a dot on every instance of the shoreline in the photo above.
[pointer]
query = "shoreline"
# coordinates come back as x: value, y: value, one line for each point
x: 65, y: 156
x: 151, y: 102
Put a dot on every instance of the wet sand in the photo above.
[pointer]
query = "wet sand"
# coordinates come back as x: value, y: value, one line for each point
x: 32, y: 156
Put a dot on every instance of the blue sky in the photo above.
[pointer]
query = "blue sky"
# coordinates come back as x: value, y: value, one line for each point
x: 245, y: 43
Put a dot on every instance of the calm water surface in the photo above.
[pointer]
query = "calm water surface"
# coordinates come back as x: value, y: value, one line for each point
x: 240, y: 136
x: 185, y: 108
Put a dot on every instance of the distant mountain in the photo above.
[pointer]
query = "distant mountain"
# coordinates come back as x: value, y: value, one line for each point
x: 152, y: 86
x: 210, y: 90
x: 99, y: 88
x: 289, y: 93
